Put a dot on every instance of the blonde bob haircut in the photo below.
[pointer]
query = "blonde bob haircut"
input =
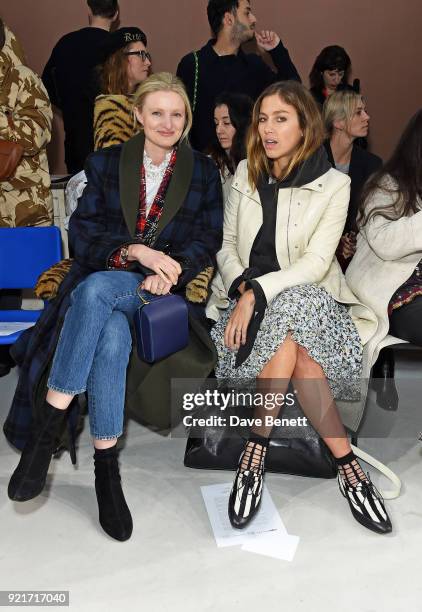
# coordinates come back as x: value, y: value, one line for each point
x: 340, y: 106
x: 310, y: 122
x: 164, y: 81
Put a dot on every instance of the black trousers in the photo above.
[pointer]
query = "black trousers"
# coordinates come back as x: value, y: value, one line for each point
x: 406, y: 321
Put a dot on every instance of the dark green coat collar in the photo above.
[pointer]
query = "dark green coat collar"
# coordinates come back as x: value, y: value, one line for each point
x: 131, y: 159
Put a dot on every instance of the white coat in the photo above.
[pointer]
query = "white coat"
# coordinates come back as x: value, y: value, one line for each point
x: 387, y: 253
x: 310, y: 222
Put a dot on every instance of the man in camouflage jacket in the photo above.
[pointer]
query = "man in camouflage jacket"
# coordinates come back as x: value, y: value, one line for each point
x: 25, y: 198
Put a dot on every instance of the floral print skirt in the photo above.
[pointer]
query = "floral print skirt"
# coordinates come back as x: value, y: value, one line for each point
x: 316, y: 322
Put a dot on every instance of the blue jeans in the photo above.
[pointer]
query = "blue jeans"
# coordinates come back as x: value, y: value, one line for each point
x: 94, y: 347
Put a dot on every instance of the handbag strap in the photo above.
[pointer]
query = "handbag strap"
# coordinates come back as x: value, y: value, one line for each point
x: 195, y: 87
x: 392, y: 477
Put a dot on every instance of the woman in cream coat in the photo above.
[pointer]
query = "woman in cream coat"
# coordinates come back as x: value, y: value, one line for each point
x: 386, y: 271
x: 281, y: 303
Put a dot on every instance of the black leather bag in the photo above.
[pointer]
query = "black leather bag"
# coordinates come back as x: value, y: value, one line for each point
x: 302, y: 452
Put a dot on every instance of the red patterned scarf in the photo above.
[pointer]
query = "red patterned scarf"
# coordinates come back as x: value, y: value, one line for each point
x: 146, y: 226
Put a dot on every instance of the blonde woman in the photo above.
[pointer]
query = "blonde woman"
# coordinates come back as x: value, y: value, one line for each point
x: 150, y: 218
x: 346, y: 120
x: 281, y: 303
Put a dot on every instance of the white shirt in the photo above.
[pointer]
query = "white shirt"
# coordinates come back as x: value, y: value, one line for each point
x: 153, y: 177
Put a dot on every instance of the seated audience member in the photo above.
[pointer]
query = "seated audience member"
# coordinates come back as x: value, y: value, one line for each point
x: 126, y: 65
x: 128, y: 235
x: 386, y: 271
x: 25, y: 118
x: 346, y: 120
x: 69, y: 77
x: 221, y: 65
x: 232, y: 116
x: 330, y: 73
x: 282, y: 307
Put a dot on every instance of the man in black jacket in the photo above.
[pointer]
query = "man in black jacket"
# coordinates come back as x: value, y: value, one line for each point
x: 221, y: 65
x: 71, y: 82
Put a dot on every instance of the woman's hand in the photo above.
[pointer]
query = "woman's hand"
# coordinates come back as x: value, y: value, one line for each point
x: 236, y: 329
x: 155, y: 284
x: 348, y: 245
x: 165, y: 267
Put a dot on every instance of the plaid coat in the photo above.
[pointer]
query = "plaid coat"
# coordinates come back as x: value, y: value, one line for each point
x: 190, y: 229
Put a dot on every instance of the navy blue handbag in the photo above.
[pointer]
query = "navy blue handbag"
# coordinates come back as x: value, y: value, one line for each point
x: 161, y: 326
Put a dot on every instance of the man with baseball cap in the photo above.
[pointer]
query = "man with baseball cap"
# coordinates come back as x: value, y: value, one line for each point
x: 69, y: 78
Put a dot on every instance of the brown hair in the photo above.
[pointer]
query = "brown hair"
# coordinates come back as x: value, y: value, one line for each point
x: 113, y: 73
x: 310, y: 123
x: 165, y: 81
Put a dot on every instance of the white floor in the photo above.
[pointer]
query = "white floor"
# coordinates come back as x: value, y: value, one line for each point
x: 171, y: 563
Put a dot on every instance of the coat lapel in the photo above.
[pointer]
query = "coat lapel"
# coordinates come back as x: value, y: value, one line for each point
x: 130, y: 179
x: 178, y: 188
x: 131, y: 160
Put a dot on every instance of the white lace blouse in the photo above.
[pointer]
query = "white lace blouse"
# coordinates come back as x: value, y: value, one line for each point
x: 153, y: 177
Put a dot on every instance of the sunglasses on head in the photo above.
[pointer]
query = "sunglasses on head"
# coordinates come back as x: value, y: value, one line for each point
x: 144, y: 55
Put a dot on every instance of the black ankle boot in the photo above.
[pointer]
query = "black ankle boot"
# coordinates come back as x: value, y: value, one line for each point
x: 114, y: 514
x: 28, y: 480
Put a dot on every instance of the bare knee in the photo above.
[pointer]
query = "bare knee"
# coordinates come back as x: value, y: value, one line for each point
x: 305, y: 365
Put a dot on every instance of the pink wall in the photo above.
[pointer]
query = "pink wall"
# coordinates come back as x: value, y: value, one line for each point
x: 381, y: 36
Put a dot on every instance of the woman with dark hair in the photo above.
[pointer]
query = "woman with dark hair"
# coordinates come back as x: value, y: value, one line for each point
x: 346, y: 120
x: 386, y: 271
x: 232, y: 116
x: 282, y: 306
x: 330, y: 73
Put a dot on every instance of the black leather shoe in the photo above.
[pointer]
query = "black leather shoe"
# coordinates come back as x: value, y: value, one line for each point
x: 366, y: 505
x: 28, y: 480
x: 246, y: 493
x: 114, y: 514
x: 245, y: 498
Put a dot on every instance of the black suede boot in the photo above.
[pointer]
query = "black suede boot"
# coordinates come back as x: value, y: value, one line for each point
x: 114, y: 514
x: 28, y: 480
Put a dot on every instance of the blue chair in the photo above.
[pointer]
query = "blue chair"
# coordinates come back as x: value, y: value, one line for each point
x: 25, y: 252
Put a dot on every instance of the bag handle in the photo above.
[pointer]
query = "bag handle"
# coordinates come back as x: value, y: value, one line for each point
x: 195, y: 88
x: 392, y: 477
x: 148, y: 297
